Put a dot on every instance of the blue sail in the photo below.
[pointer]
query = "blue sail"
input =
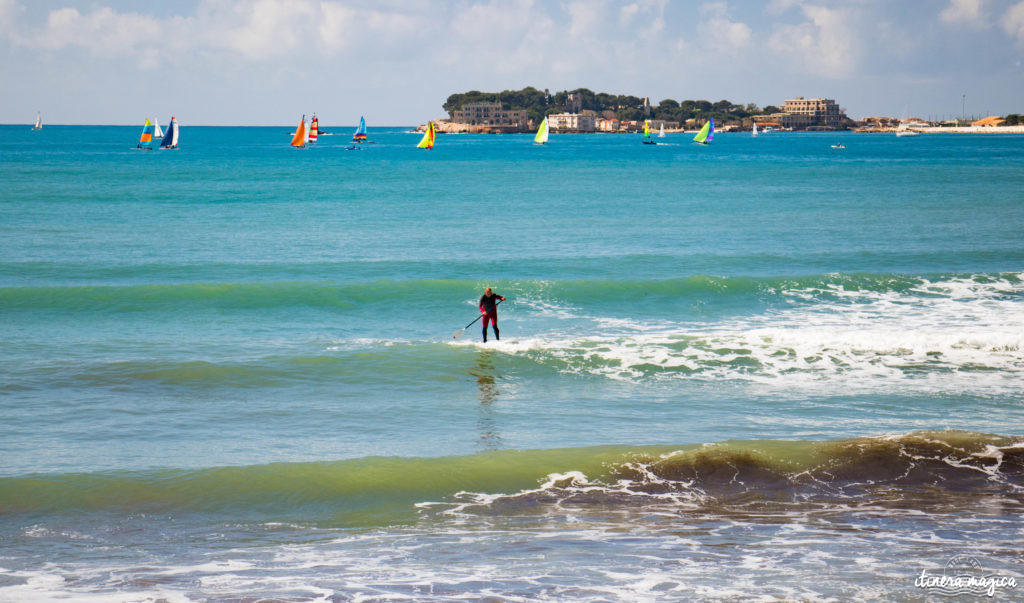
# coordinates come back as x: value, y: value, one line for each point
x: 360, y: 135
x: 711, y: 131
x: 170, y: 140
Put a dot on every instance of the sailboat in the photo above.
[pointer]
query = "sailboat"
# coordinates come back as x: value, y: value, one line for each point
x: 170, y: 140
x: 299, y: 140
x: 360, y: 135
x: 157, y: 132
x: 542, y: 132
x: 753, y: 129
x: 661, y: 131
x: 427, y: 142
x: 146, y: 140
x: 314, y: 129
x: 39, y: 121
x: 647, y: 132
x: 707, y: 133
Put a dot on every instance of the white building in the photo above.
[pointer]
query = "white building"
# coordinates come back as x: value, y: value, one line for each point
x: 572, y: 122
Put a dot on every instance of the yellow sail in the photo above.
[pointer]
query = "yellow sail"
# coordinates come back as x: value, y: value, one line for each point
x: 647, y: 128
x: 299, y: 139
x: 428, y: 137
x: 542, y: 132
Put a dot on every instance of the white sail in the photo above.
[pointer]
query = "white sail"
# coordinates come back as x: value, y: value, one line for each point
x: 157, y: 132
x: 753, y: 130
x: 39, y: 121
x: 661, y: 132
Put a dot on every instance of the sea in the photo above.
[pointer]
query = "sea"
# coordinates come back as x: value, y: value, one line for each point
x: 761, y: 369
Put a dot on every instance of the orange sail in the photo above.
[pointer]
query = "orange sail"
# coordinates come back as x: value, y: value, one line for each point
x: 299, y: 140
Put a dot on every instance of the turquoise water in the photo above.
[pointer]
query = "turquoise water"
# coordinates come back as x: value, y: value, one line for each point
x: 230, y: 371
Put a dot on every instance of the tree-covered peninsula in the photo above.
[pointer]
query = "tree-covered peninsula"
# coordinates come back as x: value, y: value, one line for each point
x: 539, y: 103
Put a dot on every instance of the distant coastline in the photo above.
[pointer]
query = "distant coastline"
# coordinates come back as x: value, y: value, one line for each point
x: 443, y: 126
x: 949, y: 130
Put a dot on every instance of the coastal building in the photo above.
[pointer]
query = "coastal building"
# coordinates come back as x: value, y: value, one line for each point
x: 806, y: 113
x: 812, y: 112
x: 491, y: 115
x: 990, y: 122
x: 572, y: 122
x: 574, y: 104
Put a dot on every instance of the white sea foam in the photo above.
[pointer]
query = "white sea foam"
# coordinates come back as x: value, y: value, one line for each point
x: 957, y: 334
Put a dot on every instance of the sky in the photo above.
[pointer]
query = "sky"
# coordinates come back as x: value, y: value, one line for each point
x: 266, y: 62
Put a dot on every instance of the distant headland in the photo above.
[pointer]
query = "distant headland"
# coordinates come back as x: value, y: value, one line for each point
x: 583, y: 110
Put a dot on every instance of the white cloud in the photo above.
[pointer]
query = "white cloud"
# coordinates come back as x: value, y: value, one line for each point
x: 262, y: 29
x: 965, y: 12
x: 103, y: 32
x: 719, y: 34
x: 776, y: 7
x: 628, y: 13
x: 827, y: 44
x: 342, y: 27
x: 645, y: 15
x: 497, y: 37
x: 9, y: 10
x: 1013, y: 22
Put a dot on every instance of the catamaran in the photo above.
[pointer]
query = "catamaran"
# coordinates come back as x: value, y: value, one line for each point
x: 170, y: 140
x: 39, y: 121
x: 314, y: 129
x: 647, y: 132
x: 707, y: 133
x: 360, y: 135
x: 427, y: 142
x: 299, y: 139
x: 146, y: 140
x: 542, y: 132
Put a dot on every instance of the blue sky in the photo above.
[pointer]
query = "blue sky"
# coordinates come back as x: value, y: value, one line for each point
x: 265, y: 62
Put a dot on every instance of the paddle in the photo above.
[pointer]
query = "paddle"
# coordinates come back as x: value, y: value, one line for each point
x: 463, y: 329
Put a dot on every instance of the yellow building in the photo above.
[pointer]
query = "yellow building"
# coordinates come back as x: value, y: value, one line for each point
x: 491, y: 114
x: 990, y: 121
x: 572, y: 122
x: 803, y: 112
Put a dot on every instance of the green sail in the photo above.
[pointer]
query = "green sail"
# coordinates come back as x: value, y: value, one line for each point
x: 703, y: 134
